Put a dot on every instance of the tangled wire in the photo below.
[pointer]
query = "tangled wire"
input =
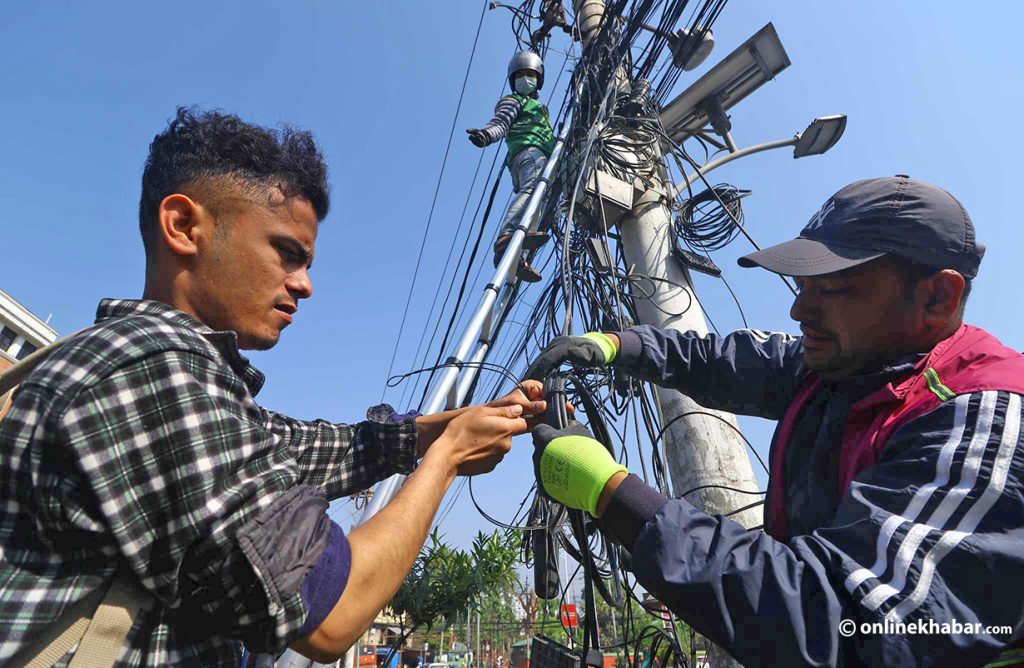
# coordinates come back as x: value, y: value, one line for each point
x: 712, y: 218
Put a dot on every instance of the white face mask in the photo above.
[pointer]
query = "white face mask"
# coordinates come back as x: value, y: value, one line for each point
x: 526, y: 85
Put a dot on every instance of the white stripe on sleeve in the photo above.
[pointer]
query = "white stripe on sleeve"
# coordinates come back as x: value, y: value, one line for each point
x: 908, y: 550
x: 917, y: 503
x: 970, y: 521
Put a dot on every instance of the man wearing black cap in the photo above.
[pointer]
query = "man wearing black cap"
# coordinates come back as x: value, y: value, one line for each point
x: 895, y: 511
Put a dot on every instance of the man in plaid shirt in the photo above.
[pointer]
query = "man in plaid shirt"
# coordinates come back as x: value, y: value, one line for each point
x: 138, y: 447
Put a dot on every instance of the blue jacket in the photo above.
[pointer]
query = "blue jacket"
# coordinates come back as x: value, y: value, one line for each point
x: 930, y: 537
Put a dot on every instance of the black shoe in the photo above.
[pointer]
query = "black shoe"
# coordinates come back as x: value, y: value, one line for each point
x: 526, y: 273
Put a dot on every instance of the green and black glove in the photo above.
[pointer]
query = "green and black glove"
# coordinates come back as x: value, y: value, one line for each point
x: 590, y: 350
x: 571, y: 466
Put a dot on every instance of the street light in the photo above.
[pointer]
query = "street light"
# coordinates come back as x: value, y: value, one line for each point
x: 755, y: 62
x: 822, y: 134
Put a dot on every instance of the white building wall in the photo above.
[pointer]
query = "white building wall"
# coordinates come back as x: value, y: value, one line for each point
x: 27, y: 327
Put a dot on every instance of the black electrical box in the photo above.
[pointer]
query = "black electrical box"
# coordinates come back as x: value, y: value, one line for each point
x: 700, y: 263
x: 600, y: 256
x: 547, y: 653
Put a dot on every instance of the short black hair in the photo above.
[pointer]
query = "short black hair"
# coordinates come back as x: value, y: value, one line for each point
x: 201, y: 145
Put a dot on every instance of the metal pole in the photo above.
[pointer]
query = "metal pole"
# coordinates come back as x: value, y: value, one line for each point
x: 569, y: 595
x: 444, y: 392
x: 466, y: 379
x: 729, y: 157
x: 727, y: 136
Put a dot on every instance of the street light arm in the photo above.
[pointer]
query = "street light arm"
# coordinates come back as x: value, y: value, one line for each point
x: 718, y: 162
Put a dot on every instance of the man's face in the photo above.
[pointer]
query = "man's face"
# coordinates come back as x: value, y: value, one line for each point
x: 254, y: 269
x: 855, y: 320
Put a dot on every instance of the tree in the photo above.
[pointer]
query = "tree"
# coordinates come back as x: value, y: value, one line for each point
x: 528, y: 602
x: 445, y: 581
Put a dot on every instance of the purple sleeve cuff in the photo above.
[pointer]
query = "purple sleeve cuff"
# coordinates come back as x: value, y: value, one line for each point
x: 323, y: 585
x: 632, y: 505
x: 630, y: 347
x: 387, y: 413
x: 402, y: 417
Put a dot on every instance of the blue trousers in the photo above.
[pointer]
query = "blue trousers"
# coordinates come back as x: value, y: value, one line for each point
x: 525, y: 168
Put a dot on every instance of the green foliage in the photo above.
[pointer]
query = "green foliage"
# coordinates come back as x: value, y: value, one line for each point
x: 445, y: 581
x: 549, y: 621
x: 495, y: 557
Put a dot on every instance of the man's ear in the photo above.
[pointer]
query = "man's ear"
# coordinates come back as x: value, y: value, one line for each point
x: 943, y: 292
x: 179, y: 218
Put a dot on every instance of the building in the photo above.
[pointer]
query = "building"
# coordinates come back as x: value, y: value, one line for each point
x: 21, y: 333
x: 370, y: 651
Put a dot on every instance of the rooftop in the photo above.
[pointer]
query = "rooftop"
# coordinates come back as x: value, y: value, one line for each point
x: 28, y: 324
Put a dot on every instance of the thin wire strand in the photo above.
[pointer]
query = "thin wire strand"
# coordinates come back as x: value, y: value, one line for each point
x: 437, y: 189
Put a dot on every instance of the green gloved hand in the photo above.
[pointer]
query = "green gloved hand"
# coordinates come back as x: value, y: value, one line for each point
x: 571, y: 466
x: 591, y: 349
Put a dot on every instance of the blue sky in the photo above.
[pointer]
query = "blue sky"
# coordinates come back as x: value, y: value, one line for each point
x: 930, y: 91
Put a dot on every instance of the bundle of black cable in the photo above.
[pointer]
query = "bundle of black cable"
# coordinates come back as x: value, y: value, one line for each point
x: 711, y: 219
x: 558, y: 416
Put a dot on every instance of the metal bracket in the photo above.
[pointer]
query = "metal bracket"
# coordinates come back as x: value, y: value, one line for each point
x: 453, y: 397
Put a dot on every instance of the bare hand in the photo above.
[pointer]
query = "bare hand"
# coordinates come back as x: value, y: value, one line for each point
x: 530, y: 395
x: 476, y: 440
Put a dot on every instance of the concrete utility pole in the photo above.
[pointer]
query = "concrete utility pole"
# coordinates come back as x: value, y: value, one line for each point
x: 701, y: 450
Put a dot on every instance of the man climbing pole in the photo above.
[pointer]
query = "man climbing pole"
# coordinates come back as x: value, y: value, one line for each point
x: 522, y: 120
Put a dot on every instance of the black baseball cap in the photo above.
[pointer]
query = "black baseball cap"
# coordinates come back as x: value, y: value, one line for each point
x: 893, y: 215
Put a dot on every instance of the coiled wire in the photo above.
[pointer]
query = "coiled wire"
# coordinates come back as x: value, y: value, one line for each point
x: 711, y: 219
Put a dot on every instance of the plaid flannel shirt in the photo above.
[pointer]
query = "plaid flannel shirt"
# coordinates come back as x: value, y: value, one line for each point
x: 139, y: 446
